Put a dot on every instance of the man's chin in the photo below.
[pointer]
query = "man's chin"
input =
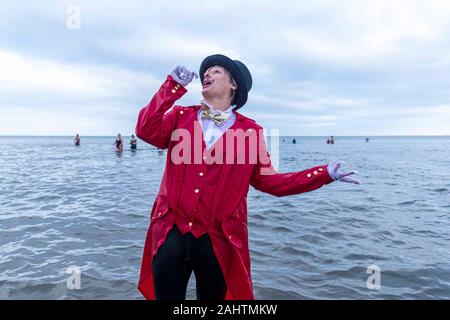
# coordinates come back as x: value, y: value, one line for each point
x: 206, y: 92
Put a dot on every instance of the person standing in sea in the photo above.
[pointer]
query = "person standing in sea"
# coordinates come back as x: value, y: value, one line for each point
x: 77, y: 140
x: 133, y: 142
x: 198, y: 222
x: 119, y: 143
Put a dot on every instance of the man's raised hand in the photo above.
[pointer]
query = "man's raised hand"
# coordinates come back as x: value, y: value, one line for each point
x: 183, y: 76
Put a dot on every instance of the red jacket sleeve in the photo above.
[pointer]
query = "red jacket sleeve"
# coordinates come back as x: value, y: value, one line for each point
x: 266, y: 179
x: 154, y: 125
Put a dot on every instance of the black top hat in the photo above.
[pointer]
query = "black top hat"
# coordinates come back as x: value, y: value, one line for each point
x: 238, y: 71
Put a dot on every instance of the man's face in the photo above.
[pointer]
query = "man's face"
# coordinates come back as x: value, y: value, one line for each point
x: 217, y: 83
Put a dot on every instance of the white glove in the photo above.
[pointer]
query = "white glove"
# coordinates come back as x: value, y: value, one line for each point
x: 183, y: 76
x: 333, y: 170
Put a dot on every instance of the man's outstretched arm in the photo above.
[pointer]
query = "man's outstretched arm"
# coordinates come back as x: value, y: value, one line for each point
x: 266, y: 179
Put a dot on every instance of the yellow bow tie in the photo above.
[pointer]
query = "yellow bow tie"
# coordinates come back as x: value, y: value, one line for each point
x: 207, y: 113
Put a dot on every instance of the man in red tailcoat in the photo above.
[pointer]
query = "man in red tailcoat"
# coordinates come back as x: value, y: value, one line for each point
x: 199, y: 218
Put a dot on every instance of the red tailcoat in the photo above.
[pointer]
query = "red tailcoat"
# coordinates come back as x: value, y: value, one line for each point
x: 200, y: 196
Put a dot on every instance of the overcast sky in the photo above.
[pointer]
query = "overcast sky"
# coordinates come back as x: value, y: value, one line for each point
x: 319, y: 67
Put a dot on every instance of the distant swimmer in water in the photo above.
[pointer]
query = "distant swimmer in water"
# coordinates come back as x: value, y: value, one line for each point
x: 293, y: 141
x: 133, y: 142
x: 119, y: 143
x: 367, y: 139
x: 77, y: 140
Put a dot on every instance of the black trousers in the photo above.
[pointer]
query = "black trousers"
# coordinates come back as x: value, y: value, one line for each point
x: 172, y: 267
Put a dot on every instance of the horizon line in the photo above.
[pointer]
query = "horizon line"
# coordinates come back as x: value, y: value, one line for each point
x: 387, y: 135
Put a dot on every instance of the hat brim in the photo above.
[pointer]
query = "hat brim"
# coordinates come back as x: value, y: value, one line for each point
x: 236, y: 73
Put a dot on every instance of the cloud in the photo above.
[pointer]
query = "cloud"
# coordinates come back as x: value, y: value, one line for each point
x: 40, y: 96
x: 317, y: 65
x: 23, y: 75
